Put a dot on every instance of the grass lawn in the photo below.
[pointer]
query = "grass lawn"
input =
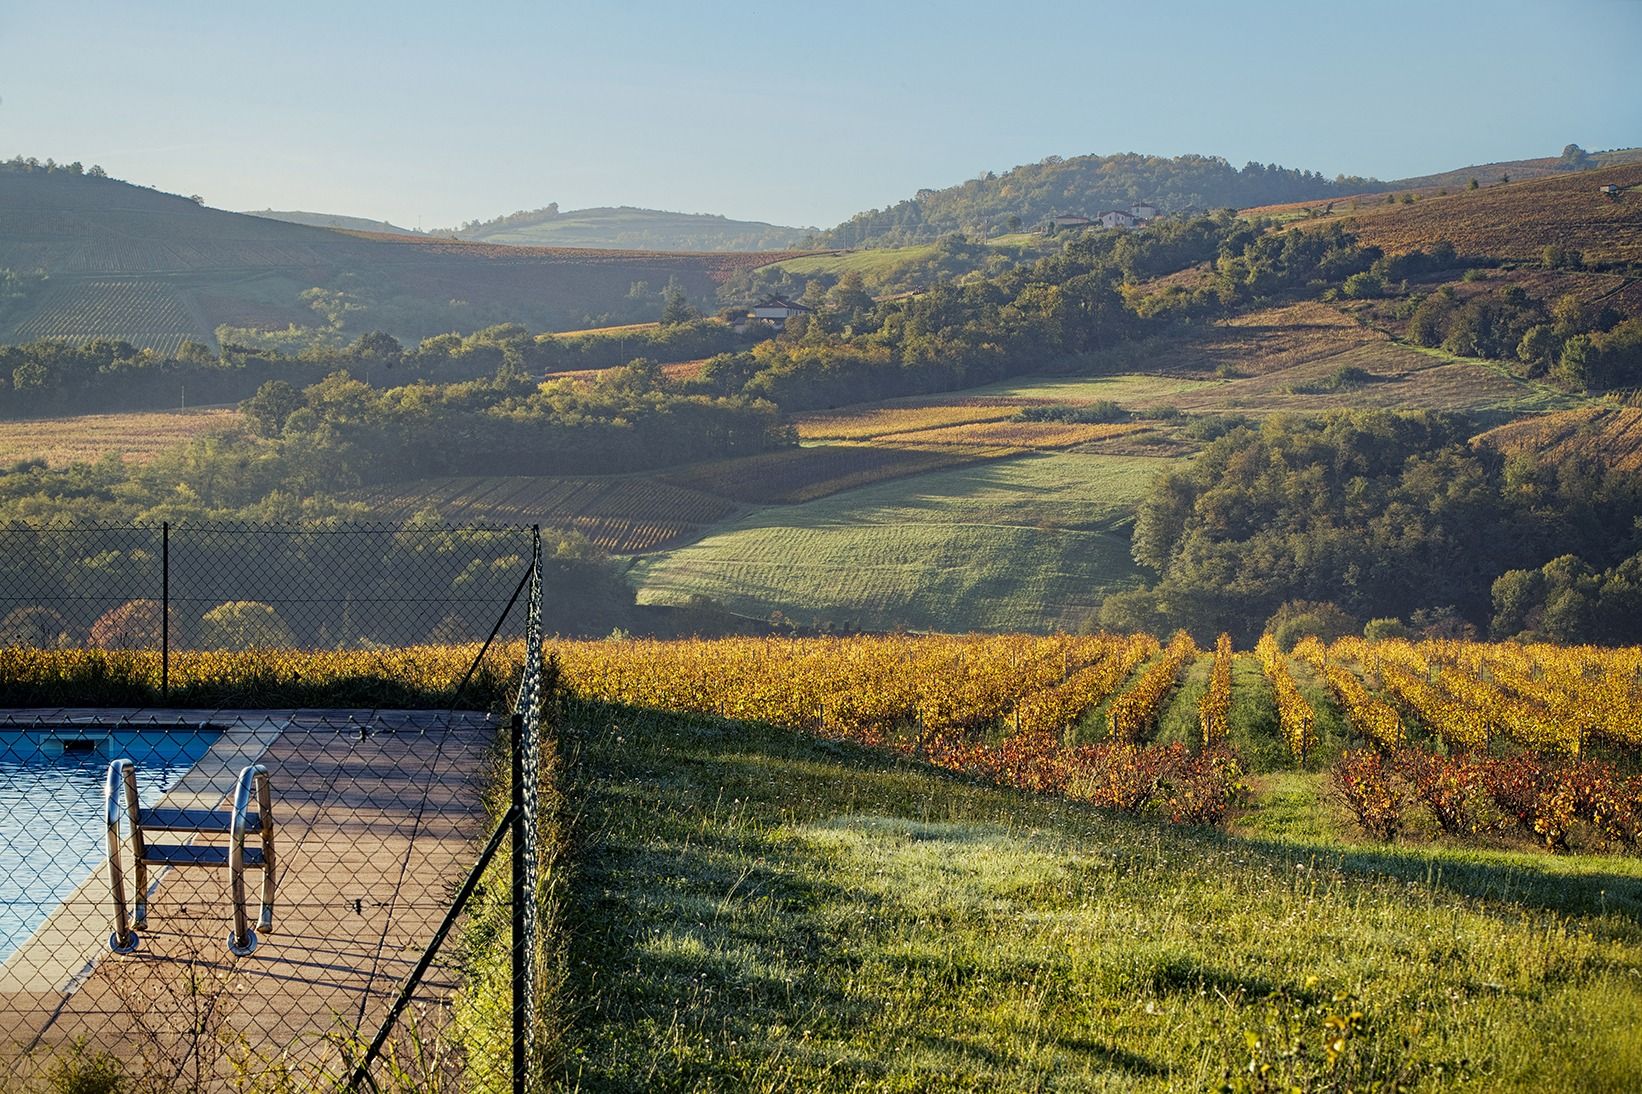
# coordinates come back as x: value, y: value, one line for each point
x: 1029, y: 543
x: 752, y: 909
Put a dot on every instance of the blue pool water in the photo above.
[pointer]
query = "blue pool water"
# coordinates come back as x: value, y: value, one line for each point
x: 52, y: 826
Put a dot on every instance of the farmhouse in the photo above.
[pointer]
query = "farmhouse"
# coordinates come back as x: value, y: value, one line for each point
x: 1069, y: 220
x: 1118, y: 218
x: 1144, y: 211
x: 774, y: 310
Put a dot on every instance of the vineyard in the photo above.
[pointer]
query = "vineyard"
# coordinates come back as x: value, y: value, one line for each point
x: 87, y: 438
x: 880, y: 421
x: 144, y: 313
x: 1514, y: 222
x: 1018, y: 434
x: 1498, y: 742
x: 794, y: 475
x: 622, y: 515
x: 1611, y: 434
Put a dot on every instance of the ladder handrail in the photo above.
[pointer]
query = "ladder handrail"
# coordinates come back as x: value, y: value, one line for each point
x: 139, y: 846
x: 124, y: 940
x: 242, y: 940
x: 265, y: 818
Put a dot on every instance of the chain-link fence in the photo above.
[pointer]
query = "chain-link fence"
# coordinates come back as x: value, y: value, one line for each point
x: 264, y: 898
x: 237, y: 587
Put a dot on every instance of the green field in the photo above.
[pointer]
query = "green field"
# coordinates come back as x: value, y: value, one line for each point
x: 755, y: 909
x: 1028, y: 543
x: 877, y: 262
x: 1401, y: 378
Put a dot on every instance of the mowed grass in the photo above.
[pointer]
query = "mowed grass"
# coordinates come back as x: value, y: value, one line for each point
x: 1023, y: 543
x: 86, y: 438
x: 752, y: 909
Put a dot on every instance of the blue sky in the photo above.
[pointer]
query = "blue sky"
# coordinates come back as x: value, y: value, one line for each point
x: 796, y: 113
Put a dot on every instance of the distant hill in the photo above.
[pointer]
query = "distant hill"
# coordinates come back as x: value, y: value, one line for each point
x: 1514, y: 222
x: 84, y: 257
x: 1026, y: 196
x: 331, y: 220
x: 1516, y: 170
x: 628, y: 228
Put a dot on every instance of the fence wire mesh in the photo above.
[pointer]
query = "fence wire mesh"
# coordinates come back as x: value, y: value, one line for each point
x: 372, y: 818
x: 241, y: 587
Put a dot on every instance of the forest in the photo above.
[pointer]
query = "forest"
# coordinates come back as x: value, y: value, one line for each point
x: 1375, y: 515
x: 1027, y: 195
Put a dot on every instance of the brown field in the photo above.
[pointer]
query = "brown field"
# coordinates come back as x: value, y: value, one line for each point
x: 1612, y: 434
x: 881, y: 421
x: 1514, y: 222
x: 622, y: 515
x: 138, y: 437
x: 623, y: 328
x: 1272, y: 340
x: 1017, y: 434
x: 678, y: 370
x: 803, y: 474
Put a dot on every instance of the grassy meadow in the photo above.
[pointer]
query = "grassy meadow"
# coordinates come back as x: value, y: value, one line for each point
x: 754, y: 909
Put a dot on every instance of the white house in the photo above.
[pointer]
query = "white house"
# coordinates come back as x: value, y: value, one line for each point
x: 777, y: 309
x: 1144, y: 211
x: 1118, y: 218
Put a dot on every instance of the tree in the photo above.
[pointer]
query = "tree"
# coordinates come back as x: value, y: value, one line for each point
x: 271, y: 406
x: 676, y: 307
x: 136, y: 624
x: 191, y: 352
x: 244, y: 625
x: 1472, y: 185
x: 1297, y: 619
x: 1574, y: 158
x: 1539, y: 347
x: 377, y: 345
x: 35, y: 626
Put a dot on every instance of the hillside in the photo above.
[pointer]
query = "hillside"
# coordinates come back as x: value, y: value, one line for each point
x: 1513, y: 222
x: 628, y: 228
x: 1612, y: 435
x: 1486, y: 173
x: 123, y: 261
x: 1027, y: 195
x: 329, y: 220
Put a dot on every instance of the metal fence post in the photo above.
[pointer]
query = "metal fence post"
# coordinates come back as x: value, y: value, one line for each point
x: 520, y: 895
x: 165, y: 610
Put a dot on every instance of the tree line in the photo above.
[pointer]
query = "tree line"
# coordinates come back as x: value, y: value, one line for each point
x: 1372, y: 515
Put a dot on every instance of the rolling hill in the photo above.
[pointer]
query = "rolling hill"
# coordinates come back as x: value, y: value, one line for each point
x: 124, y: 261
x: 628, y: 228
x: 1027, y: 195
x: 1515, y: 222
x: 1515, y: 169
x: 330, y: 220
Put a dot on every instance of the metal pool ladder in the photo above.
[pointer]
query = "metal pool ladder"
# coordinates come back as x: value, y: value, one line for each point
x: 238, y: 824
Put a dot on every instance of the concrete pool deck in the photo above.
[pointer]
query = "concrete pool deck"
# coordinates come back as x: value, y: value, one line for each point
x: 376, y: 817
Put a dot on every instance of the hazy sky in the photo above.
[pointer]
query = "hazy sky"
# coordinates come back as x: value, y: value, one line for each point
x: 800, y: 113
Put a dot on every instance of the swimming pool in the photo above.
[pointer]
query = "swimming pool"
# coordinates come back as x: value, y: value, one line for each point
x: 52, y: 828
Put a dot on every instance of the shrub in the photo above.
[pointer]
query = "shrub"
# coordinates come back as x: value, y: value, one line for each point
x: 1534, y: 796
x: 1363, y: 782
x: 1448, y: 786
